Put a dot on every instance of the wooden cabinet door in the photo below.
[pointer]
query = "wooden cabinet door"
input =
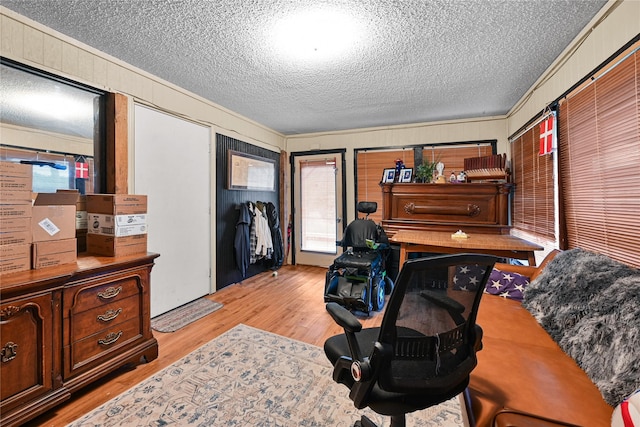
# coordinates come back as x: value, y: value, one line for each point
x: 26, y: 343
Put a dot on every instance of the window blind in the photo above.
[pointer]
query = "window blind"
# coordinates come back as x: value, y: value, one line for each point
x: 370, y: 166
x: 599, y: 162
x: 533, y: 199
x: 453, y: 156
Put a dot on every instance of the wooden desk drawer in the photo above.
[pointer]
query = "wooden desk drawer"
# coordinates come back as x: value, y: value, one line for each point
x: 79, y: 299
x: 103, y: 343
x: 105, y: 316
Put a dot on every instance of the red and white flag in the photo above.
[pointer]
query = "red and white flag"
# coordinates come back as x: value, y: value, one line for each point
x: 82, y: 170
x: 547, y: 134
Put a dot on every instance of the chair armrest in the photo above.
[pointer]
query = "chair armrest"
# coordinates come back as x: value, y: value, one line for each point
x: 344, y: 317
x: 350, y: 324
x: 526, y: 270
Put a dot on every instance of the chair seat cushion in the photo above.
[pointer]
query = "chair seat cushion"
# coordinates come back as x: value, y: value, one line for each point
x: 360, y: 260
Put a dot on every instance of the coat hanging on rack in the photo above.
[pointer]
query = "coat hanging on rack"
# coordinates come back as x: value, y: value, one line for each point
x: 276, y: 235
x: 242, y: 244
x: 261, y: 243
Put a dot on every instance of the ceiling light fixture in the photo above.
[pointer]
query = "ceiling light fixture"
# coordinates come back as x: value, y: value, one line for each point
x: 316, y: 35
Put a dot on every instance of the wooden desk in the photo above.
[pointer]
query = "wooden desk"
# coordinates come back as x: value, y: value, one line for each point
x: 501, y: 245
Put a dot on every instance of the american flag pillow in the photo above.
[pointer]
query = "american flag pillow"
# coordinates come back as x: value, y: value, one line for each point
x: 507, y: 284
x: 502, y: 283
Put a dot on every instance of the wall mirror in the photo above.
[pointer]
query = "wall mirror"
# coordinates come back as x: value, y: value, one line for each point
x: 55, y: 124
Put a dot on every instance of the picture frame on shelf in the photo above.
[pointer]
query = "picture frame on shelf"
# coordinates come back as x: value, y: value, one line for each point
x: 388, y: 176
x: 405, y: 175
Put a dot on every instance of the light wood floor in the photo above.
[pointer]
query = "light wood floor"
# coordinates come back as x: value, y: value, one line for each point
x: 290, y: 304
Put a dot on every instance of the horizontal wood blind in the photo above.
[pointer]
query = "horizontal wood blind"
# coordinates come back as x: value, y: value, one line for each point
x: 532, y: 203
x: 600, y: 163
x: 453, y: 156
x: 370, y: 166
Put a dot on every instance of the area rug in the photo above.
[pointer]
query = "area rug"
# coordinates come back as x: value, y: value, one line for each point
x: 181, y: 316
x: 249, y: 377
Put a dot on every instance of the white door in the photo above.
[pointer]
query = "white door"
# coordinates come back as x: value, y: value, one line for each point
x: 318, y: 208
x: 172, y: 166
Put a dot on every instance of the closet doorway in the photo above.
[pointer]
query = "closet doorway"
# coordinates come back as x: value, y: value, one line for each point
x: 172, y: 166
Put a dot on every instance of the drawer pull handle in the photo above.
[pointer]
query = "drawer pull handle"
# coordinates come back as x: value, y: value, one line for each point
x: 111, y: 338
x: 109, y: 315
x: 110, y: 293
x: 9, y: 351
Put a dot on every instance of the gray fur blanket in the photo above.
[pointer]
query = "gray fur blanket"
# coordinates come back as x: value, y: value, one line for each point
x: 590, y: 305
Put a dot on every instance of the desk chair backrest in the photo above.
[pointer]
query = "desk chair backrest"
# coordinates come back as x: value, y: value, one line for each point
x: 429, y: 326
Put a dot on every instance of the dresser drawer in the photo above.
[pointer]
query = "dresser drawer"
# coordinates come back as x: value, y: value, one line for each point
x: 82, y: 298
x: 101, y: 344
x: 105, y: 316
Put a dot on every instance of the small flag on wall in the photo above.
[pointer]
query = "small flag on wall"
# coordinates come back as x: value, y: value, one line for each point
x: 547, y: 134
x: 82, y: 170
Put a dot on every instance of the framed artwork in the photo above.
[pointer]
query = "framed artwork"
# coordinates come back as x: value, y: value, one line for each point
x: 388, y: 176
x: 406, y: 174
x: 249, y: 172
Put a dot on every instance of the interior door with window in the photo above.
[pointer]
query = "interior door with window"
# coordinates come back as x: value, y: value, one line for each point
x: 318, y: 207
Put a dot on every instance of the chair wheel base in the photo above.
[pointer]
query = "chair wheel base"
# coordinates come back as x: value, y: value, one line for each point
x: 364, y: 422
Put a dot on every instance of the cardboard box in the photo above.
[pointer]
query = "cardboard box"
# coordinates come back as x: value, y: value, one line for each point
x: 16, y: 211
x: 54, y: 217
x: 15, y: 197
x: 81, y: 209
x: 14, y: 258
x: 116, y: 204
x: 15, y: 230
x: 81, y: 213
x: 15, y: 176
x: 55, y: 252
x: 100, y: 244
x: 82, y: 222
x: 117, y: 225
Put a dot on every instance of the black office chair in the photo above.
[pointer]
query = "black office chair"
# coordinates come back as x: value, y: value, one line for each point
x: 425, y: 349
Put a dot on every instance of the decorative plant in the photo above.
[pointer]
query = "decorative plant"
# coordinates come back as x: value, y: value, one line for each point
x: 425, y: 171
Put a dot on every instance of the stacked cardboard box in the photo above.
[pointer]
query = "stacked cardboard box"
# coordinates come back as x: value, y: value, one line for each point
x: 15, y: 217
x: 81, y: 219
x: 54, y: 229
x: 117, y: 224
x: 81, y: 223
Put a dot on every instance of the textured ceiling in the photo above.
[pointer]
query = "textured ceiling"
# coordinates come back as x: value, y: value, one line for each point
x: 410, y: 61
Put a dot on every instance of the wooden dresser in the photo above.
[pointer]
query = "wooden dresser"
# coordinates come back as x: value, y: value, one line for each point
x: 472, y: 207
x: 63, y: 327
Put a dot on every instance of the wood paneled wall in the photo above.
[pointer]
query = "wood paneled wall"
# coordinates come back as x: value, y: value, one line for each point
x: 227, y: 202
